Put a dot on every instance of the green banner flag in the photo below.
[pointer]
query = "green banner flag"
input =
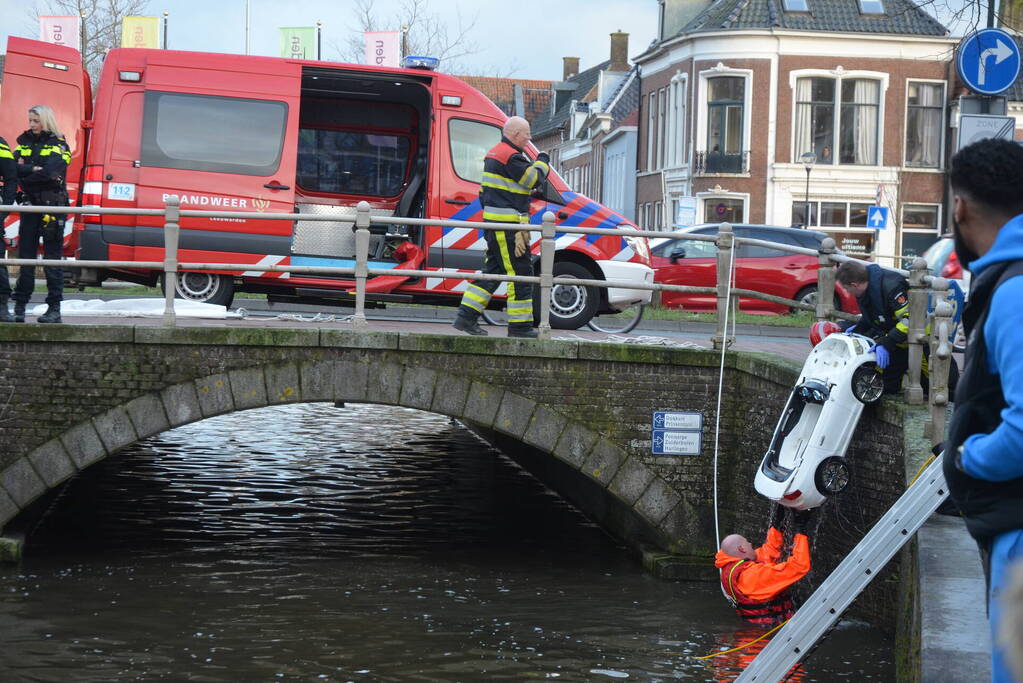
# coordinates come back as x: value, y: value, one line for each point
x: 298, y: 42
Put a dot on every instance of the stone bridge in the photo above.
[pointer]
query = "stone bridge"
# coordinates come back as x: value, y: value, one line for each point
x: 576, y: 414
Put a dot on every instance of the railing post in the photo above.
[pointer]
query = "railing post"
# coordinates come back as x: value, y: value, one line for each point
x: 940, y: 362
x: 726, y: 245
x: 361, y: 263
x: 917, y: 329
x: 825, y: 280
x: 546, y: 273
x: 171, y: 233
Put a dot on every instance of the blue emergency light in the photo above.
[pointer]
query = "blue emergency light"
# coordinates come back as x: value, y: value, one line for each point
x: 414, y: 62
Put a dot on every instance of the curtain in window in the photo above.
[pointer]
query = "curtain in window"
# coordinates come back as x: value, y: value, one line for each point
x: 929, y: 124
x: 864, y: 95
x: 804, y: 111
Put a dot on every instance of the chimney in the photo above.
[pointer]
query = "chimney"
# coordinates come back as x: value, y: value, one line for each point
x: 571, y: 67
x: 619, y: 52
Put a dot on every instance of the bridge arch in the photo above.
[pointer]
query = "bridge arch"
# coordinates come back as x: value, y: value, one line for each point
x: 620, y: 492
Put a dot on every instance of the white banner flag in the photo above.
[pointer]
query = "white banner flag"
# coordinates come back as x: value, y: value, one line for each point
x: 383, y: 47
x: 60, y: 31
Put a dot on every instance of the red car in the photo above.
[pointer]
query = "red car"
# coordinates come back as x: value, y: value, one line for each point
x: 772, y: 271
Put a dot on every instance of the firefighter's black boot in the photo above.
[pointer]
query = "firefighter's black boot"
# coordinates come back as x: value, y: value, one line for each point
x: 522, y: 330
x: 5, y: 313
x: 19, y: 312
x: 52, y: 314
x: 469, y: 323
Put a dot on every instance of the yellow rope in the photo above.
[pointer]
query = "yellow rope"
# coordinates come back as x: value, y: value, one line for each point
x: 921, y: 470
x: 735, y: 649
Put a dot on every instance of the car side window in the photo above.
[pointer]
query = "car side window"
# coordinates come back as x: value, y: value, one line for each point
x: 691, y: 249
x: 695, y: 248
x: 757, y: 251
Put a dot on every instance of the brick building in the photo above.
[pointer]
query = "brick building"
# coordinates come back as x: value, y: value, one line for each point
x: 736, y: 92
x: 591, y: 126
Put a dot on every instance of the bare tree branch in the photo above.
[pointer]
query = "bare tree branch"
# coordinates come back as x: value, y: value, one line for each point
x: 428, y: 34
x: 101, y: 21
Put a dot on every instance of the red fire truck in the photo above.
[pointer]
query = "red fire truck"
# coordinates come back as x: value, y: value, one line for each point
x: 228, y: 132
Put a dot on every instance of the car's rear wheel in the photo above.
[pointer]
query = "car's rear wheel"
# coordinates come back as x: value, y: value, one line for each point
x: 867, y: 383
x: 808, y: 295
x: 207, y: 288
x: 832, y: 476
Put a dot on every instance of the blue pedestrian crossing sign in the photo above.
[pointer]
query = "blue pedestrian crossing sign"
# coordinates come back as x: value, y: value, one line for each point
x: 877, y: 217
x: 988, y: 61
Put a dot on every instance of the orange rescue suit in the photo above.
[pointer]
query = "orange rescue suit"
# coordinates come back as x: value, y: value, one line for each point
x: 760, y: 587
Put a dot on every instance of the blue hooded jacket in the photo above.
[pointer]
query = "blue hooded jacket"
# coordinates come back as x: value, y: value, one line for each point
x: 998, y: 456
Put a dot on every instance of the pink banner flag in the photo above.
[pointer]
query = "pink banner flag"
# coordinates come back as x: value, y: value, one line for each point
x: 383, y: 47
x: 60, y: 31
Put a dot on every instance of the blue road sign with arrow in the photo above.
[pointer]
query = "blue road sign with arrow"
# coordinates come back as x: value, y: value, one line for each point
x: 877, y: 217
x: 988, y: 61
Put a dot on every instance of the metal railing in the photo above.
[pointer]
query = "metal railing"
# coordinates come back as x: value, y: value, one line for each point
x: 921, y: 284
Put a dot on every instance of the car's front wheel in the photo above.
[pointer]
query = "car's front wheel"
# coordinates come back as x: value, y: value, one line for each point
x: 867, y: 383
x: 832, y: 476
x: 572, y: 306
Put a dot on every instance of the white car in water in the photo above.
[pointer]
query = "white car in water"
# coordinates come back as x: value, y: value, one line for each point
x: 805, y: 462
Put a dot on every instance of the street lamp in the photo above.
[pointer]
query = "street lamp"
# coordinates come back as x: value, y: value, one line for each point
x: 808, y: 159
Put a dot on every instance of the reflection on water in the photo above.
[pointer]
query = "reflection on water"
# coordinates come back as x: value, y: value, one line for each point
x: 352, y: 544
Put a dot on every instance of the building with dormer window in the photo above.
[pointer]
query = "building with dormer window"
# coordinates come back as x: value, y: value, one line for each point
x: 734, y: 93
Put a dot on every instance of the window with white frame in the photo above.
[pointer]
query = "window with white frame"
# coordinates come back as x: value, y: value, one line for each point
x: 651, y: 130
x: 830, y: 215
x: 677, y: 123
x: 725, y: 104
x: 920, y: 228
x: 724, y: 210
x: 614, y: 181
x: 658, y: 221
x: 838, y: 119
x: 662, y: 115
x: 925, y: 106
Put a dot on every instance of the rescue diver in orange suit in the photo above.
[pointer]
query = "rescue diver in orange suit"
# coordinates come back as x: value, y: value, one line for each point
x: 756, y: 580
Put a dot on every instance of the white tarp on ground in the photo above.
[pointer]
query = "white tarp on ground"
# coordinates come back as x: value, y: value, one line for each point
x: 137, y: 308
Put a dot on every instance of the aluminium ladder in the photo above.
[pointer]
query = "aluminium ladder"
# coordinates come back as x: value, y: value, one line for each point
x: 860, y: 566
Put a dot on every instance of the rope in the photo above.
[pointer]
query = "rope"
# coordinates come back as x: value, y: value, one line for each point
x: 720, y: 386
x: 721, y: 383
x: 736, y: 649
x: 921, y: 470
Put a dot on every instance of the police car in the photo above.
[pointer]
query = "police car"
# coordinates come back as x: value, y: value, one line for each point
x: 805, y: 461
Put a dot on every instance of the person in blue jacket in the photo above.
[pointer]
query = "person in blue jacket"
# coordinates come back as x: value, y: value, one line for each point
x: 983, y: 459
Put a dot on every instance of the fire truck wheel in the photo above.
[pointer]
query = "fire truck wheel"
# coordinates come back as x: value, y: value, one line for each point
x: 207, y: 288
x: 572, y: 306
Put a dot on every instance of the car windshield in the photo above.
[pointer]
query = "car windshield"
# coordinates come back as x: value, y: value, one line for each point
x: 937, y: 254
x: 835, y: 347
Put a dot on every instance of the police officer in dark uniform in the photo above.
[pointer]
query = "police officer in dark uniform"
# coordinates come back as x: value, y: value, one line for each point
x: 9, y: 178
x: 508, y: 178
x: 43, y: 156
x: 883, y: 297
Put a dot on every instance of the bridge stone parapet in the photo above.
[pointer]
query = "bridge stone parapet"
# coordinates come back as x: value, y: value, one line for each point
x: 71, y: 395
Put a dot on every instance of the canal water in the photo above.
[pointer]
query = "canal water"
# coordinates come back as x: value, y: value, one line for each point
x: 362, y: 543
